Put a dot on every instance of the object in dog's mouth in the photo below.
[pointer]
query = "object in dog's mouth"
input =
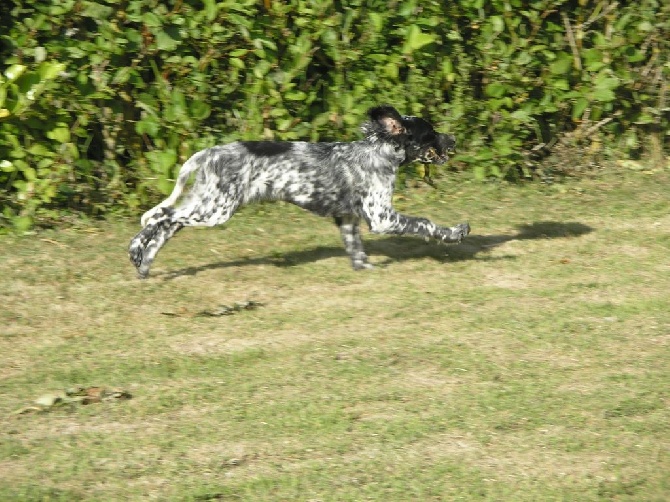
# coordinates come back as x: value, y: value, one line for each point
x: 432, y: 157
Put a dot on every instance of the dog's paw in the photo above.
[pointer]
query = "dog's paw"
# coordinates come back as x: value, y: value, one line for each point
x: 463, y: 230
x: 457, y: 233
x: 136, y: 254
x: 362, y: 265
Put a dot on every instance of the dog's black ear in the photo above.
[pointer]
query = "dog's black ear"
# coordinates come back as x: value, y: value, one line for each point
x: 388, y: 118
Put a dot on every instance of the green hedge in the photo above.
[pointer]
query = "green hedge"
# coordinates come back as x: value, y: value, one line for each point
x: 100, y: 101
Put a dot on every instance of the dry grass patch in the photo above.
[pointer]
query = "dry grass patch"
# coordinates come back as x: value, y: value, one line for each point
x: 529, y: 363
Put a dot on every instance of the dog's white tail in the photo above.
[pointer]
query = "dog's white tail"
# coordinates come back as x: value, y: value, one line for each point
x: 189, y: 167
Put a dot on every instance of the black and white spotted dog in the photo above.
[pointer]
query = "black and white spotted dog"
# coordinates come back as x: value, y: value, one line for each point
x: 347, y: 181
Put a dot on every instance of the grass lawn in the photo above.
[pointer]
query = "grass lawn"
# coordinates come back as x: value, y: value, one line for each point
x: 530, y: 363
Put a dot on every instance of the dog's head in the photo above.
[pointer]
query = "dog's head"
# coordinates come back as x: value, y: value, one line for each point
x: 416, y: 137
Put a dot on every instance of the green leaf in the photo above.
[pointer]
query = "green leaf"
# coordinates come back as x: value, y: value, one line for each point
x: 21, y: 165
x: 560, y: 84
x: 15, y: 71
x: 237, y: 63
x: 97, y: 11
x: 644, y: 118
x: 295, y: 96
x: 162, y: 160
x: 603, y: 88
x: 495, y: 90
x: 592, y: 55
x: 376, y: 21
x: 604, y: 81
x: 49, y: 71
x: 497, y: 23
x: 603, y: 95
x: 593, y: 59
x: 148, y: 125
x: 211, y: 9
x: 122, y: 75
x: 165, y: 42
x: 578, y: 107
x: 151, y: 20
x: 29, y: 173
x: 200, y: 110
x: 284, y: 124
x: 562, y: 64
x: 523, y: 58
x: 595, y: 66
x: 43, y: 164
x: 521, y: 115
x: 391, y: 70
x: 416, y: 39
x: 60, y: 134
x: 40, y: 150
x: 261, y: 69
x: 634, y: 55
x: 176, y: 109
x: 58, y: 10
x: 447, y: 66
x: 22, y: 223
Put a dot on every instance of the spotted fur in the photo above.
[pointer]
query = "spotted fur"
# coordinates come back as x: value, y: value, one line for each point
x: 347, y: 181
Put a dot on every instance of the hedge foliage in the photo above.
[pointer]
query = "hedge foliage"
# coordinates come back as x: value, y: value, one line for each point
x: 101, y: 100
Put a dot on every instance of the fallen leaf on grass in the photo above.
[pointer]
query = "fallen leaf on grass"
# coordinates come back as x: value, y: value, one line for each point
x: 28, y: 409
x: 227, y: 310
x: 49, y: 400
x: 182, y: 312
x: 98, y: 394
x: 74, y: 395
x: 51, y: 241
x: 219, y: 311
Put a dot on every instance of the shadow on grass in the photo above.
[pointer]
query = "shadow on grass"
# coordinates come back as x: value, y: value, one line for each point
x: 397, y: 248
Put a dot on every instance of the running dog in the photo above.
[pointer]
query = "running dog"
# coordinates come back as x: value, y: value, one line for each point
x: 346, y: 181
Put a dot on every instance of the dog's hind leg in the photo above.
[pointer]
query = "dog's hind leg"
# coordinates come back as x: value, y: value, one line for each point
x: 167, y: 221
x: 351, y: 237
x: 189, y: 167
x: 145, y: 245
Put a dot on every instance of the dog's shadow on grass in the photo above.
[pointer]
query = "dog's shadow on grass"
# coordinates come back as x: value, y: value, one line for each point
x: 397, y: 248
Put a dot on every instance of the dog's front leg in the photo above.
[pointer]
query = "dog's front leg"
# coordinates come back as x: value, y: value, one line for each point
x: 385, y: 220
x: 351, y: 237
